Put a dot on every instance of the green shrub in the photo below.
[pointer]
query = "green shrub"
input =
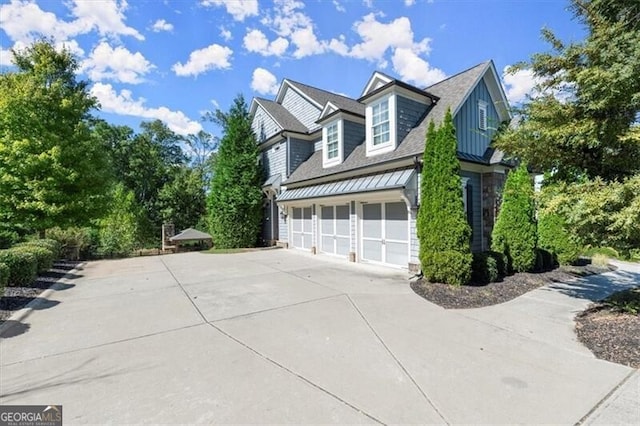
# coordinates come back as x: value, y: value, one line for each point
x: 49, y: 244
x: 442, y: 227
x: 23, y: 266
x: 545, y: 260
x: 600, y: 259
x: 514, y: 233
x: 44, y: 256
x: 606, y: 251
x: 8, y: 238
x: 119, y: 228
x: 484, y: 269
x: 627, y: 301
x: 554, y: 236
x: 4, y: 277
x: 73, y: 241
x: 449, y: 267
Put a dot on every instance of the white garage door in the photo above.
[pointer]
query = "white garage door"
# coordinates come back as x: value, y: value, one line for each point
x: 301, y: 227
x: 385, y: 233
x: 334, y: 229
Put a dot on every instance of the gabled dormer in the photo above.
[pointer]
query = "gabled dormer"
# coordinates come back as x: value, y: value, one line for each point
x: 342, y: 130
x: 392, y: 109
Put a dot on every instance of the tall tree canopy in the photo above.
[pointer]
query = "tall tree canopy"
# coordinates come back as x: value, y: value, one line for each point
x: 235, y: 198
x: 585, y: 121
x: 52, y: 171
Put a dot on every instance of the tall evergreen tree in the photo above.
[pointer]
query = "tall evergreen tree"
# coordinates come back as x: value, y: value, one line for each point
x: 445, y: 235
x: 235, y: 198
x: 514, y: 233
x: 584, y: 122
x: 52, y: 171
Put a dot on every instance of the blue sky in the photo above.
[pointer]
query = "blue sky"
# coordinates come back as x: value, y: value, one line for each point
x: 175, y: 59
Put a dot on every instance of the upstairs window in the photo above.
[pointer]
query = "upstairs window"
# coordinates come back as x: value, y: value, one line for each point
x: 482, y: 115
x: 380, y: 123
x: 332, y: 141
x: 332, y: 144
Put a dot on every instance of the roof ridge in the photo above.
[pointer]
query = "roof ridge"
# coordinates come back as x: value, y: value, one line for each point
x: 485, y: 63
x: 322, y: 90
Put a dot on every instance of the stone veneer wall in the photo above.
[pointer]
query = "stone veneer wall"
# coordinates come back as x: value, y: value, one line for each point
x: 492, y: 184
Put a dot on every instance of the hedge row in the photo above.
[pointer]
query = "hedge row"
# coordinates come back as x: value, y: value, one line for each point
x: 21, y: 264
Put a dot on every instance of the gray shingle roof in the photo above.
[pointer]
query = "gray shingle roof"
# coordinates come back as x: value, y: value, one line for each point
x: 284, y: 118
x: 451, y: 91
x: 190, y: 234
x: 322, y: 97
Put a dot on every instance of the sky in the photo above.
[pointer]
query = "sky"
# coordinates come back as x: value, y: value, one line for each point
x: 174, y: 60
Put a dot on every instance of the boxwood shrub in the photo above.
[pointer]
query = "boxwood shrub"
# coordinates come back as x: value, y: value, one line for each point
x: 23, y: 266
x: 488, y: 267
x: 44, y: 256
x: 50, y: 244
x: 4, y: 277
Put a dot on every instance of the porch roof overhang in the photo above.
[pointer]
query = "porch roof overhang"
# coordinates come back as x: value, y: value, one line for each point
x: 394, y: 179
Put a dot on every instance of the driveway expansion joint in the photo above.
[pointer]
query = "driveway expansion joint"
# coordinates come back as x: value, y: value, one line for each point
x: 424, y: 394
x: 606, y: 397
x: 299, y: 376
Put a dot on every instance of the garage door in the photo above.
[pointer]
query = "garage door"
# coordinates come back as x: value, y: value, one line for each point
x: 301, y: 227
x: 385, y: 233
x: 334, y: 229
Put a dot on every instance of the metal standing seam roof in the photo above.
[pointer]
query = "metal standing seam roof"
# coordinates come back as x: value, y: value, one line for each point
x: 381, y: 181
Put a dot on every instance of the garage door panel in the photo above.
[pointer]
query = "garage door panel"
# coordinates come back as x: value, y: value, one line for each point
x: 342, y: 245
x: 396, y: 223
x: 301, y: 227
x: 327, y: 244
x: 396, y: 253
x: 326, y: 222
x: 372, y: 221
x: 342, y: 220
x: 372, y: 250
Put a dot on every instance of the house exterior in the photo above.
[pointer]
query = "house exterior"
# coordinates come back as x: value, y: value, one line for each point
x: 343, y: 174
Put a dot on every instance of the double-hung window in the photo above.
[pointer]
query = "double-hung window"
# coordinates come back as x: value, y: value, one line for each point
x: 332, y: 141
x: 380, y: 123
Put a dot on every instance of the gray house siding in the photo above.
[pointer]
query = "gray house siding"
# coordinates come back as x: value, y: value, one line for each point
x: 299, y: 151
x: 408, y: 112
x: 274, y: 159
x: 304, y: 111
x: 474, y: 208
x: 317, y: 145
x: 471, y: 139
x: 283, y: 229
x: 353, y: 135
x: 263, y: 125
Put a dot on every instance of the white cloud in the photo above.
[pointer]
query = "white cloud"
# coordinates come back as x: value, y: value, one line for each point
x: 239, y: 9
x: 264, y: 82
x: 6, y: 57
x: 339, y: 7
x: 255, y: 41
x: 161, y: 25
x: 519, y: 85
x: 118, y: 64
x: 23, y: 21
x: 338, y: 46
x: 413, y: 69
x: 409, y: 3
x: 225, y: 34
x: 287, y: 18
x: 124, y: 104
x: 202, y: 60
x: 106, y: 17
x: 306, y: 43
x: 378, y: 37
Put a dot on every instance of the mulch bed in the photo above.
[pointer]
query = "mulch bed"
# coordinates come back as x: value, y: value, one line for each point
x: 478, y: 296
x: 16, y: 298
x: 609, y: 334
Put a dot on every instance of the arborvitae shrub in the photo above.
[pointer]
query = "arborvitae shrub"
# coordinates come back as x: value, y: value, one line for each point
x: 514, y: 233
x: 484, y: 269
x: 554, y: 237
x: 445, y: 235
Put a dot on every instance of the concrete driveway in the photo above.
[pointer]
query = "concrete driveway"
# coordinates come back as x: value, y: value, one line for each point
x: 280, y: 336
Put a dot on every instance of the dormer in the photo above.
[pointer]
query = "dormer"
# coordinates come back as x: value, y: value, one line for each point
x: 342, y: 131
x: 392, y: 109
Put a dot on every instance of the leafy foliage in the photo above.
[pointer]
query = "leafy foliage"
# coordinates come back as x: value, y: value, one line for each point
x: 23, y: 266
x: 183, y: 201
x: 74, y: 242
x: 445, y: 235
x: 485, y: 269
x: 4, y: 277
x: 51, y: 171
x: 627, y: 301
x: 556, y: 237
x: 514, y: 233
x: 584, y: 122
x: 119, y: 229
x: 235, y: 198
x: 44, y: 257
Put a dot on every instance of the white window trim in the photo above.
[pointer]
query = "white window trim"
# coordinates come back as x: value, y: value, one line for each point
x: 482, y: 106
x: 391, y: 144
x: 328, y: 162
